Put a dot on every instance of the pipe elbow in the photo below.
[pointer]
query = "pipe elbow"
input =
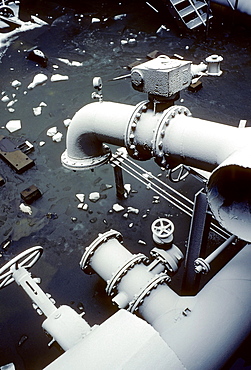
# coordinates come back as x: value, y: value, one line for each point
x: 84, y: 149
x: 92, y: 126
x: 228, y: 192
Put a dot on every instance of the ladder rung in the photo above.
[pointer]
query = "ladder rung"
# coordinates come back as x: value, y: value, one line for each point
x: 176, y: 2
x: 197, y: 21
x: 190, y: 9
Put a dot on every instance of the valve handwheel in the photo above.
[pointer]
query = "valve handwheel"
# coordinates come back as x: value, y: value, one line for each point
x: 162, y: 229
x: 25, y: 259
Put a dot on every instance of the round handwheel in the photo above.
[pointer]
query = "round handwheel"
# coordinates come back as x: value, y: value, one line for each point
x: 162, y: 230
x: 6, y: 11
x: 25, y: 259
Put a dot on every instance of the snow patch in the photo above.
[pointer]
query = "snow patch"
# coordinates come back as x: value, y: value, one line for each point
x: 25, y: 209
x: 13, y: 125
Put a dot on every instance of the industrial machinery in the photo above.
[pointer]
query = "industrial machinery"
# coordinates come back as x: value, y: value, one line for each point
x: 154, y: 326
x: 9, y: 12
x: 159, y: 129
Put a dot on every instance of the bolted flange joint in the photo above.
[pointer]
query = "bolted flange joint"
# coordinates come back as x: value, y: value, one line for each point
x: 201, y: 266
x: 145, y: 292
x: 122, y: 271
x: 160, y: 152
x: 89, y: 251
x: 134, y: 149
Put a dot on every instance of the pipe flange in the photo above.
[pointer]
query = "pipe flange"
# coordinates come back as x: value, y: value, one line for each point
x: 86, y: 163
x: 153, y: 284
x: 130, y: 141
x: 89, y: 251
x: 160, y: 155
x: 116, y: 278
x: 201, y: 265
x: 170, y: 259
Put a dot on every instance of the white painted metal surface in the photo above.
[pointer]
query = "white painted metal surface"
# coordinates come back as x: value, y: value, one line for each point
x: 203, y: 330
x: 124, y: 341
x: 244, y: 6
x: 213, y: 62
x: 173, y: 134
x: 162, y: 76
x: 103, y: 122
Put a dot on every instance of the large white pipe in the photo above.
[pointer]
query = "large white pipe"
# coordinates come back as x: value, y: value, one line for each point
x: 202, y: 144
x: 229, y: 193
x: 243, y: 6
x: 204, y: 330
x: 93, y: 125
x: 196, y: 142
x: 112, y: 261
x: 171, y: 137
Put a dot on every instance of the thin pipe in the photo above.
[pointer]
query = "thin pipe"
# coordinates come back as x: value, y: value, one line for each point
x: 215, y: 253
x: 215, y: 228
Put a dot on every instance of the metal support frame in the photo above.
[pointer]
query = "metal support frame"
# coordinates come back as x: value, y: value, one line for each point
x: 208, y: 16
x: 199, y: 230
x: 235, y: 6
x: 119, y: 181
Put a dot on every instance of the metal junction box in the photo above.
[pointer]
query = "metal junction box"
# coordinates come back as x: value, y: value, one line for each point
x: 162, y: 76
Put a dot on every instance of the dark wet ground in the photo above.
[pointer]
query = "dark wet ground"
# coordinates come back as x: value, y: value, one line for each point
x: 98, y: 46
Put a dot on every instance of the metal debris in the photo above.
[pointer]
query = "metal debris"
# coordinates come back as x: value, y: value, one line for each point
x: 67, y: 122
x: 30, y: 194
x: 22, y: 340
x: 16, y: 83
x: 37, y: 111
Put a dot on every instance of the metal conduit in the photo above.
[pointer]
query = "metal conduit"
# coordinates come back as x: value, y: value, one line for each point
x: 188, y: 210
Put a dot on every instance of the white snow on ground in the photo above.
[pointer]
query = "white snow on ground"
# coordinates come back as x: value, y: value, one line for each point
x: 7, y: 38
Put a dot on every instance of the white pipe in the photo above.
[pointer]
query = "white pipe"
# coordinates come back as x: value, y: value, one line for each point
x: 205, y: 330
x: 123, y: 341
x: 229, y: 193
x: 202, y: 144
x: 66, y: 327
x: 203, y: 265
x: 63, y: 323
x: 193, y: 141
x: 243, y: 5
x: 93, y: 125
x: 112, y: 261
x: 171, y: 136
x: 109, y: 258
x: 24, y: 279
